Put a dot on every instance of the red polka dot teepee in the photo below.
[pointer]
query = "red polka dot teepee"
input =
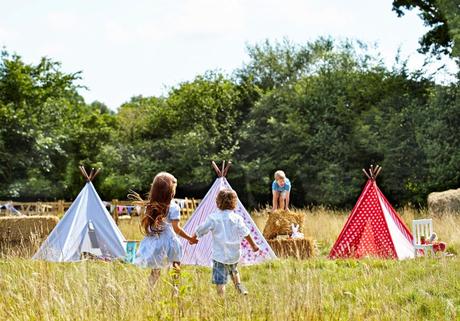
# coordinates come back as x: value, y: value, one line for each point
x: 373, y: 229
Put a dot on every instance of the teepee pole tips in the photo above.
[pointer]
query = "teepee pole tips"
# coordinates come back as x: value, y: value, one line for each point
x: 92, y: 174
x: 373, y: 172
x: 222, y: 172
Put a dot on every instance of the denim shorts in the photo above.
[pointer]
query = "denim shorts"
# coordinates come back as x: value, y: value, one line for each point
x: 220, y: 272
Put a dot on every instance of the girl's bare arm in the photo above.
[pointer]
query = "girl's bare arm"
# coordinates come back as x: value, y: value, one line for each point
x: 179, y: 231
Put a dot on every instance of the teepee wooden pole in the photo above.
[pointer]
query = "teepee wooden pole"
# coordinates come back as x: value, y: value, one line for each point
x: 95, y: 174
x: 83, y: 172
x: 91, y: 174
x: 378, y: 171
x: 216, y: 168
x: 229, y: 163
x: 223, y: 168
x: 365, y: 173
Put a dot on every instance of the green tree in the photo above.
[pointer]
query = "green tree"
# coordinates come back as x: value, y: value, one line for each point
x: 343, y: 114
x: 437, y: 133
x: 181, y: 133
x: 443, y: 17
x: 46, y: 129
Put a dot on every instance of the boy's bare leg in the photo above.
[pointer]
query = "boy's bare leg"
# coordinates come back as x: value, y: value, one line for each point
x: 237, y: 281
x: 220, y: 289
x: 153, y: 277
x: 236, y: 278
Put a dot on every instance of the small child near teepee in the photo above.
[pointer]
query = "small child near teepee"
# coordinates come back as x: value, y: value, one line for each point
x: 281, y: 189
x: 161, y: 226
x: 228, y: 230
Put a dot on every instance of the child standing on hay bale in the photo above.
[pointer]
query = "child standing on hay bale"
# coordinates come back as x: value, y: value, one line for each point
x: 281, y: 189
x: 161, y: 226
x: 228, y: 230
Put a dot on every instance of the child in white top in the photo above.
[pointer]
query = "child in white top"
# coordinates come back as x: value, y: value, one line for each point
x: 228, y: 230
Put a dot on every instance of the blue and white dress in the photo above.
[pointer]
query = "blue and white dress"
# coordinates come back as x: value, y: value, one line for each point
x: 158, y: 250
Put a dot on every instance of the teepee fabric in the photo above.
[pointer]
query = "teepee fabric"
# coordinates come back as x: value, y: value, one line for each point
x: 373, y: 229
x: 200, y: 254
x: 86, y: 224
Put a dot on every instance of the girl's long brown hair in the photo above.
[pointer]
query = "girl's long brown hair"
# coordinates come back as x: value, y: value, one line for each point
x: 161, y: 193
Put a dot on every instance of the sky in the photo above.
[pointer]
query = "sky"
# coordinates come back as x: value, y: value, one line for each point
x: 145, y: 47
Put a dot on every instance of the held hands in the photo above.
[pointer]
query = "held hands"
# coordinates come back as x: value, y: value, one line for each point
x: 255, y: 248
x: 193, y: 240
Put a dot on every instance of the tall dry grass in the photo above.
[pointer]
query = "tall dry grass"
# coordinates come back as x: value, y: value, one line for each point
x: 317, y: 289
x: 314, y: 289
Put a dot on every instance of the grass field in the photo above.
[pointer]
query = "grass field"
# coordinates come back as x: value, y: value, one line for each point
x: 315, y: 289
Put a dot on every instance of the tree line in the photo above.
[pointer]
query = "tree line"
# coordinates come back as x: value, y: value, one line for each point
x: 320, y: 111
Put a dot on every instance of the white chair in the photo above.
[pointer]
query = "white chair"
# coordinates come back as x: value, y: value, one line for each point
x: 422, y: 228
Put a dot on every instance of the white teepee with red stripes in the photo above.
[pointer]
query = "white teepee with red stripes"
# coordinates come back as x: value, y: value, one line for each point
x: 373, y: 229
x: 200, y: 254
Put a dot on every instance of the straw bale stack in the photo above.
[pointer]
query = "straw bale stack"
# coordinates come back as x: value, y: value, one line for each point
x: 25, y: 228
x: 298, y: 248
x: 279, y: 223
x: 444, y: 202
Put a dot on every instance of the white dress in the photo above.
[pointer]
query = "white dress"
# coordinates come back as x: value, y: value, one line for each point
x: 158, y: 250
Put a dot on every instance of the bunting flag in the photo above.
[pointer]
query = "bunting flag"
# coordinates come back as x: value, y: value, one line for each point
x: 120, y: 208
x: 129, y: 209
x: 138, y: 209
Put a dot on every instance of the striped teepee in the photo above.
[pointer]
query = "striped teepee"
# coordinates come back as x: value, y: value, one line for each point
x: 200, y: 254
x: 373, y: 227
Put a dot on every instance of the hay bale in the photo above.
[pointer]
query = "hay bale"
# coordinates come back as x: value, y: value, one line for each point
x: 26, y: 228
x: 298, y: 248
x: 444, y: 202
x: 279, y: 223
